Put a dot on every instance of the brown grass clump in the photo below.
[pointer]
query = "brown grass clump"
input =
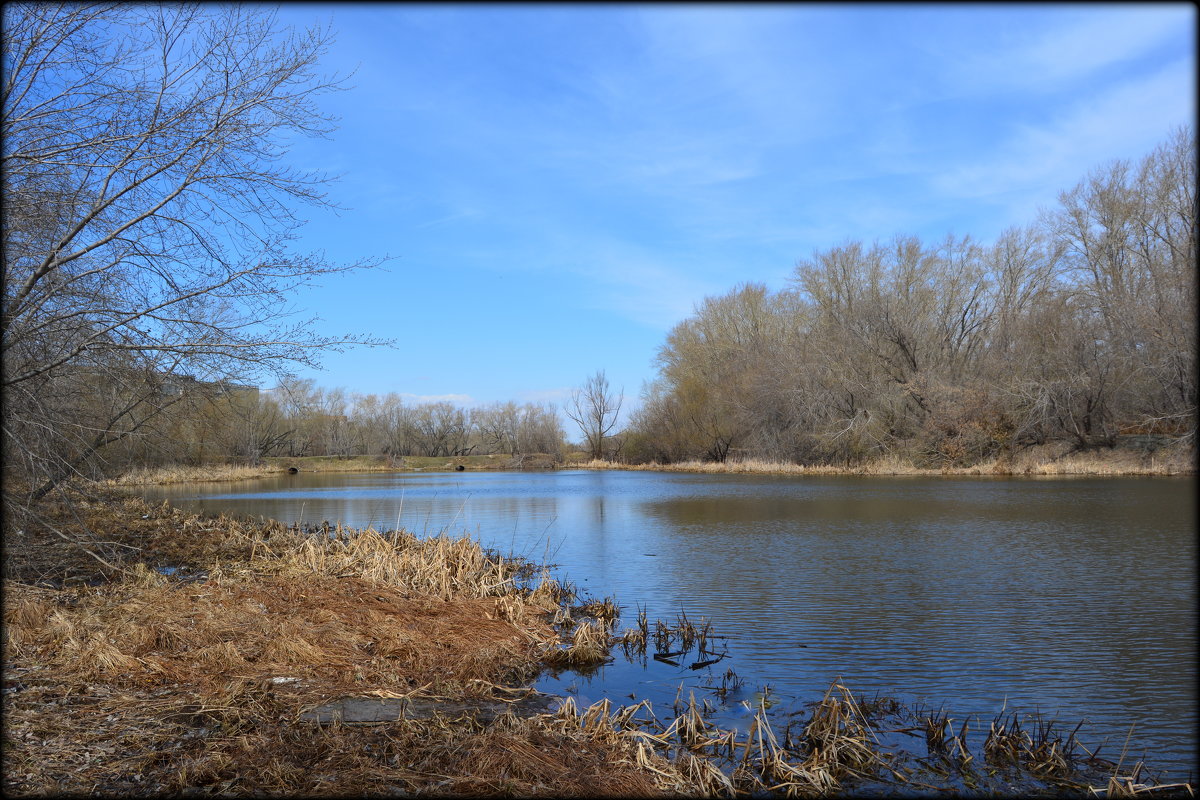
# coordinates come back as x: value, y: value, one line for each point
x: 1128, y: 786
x: 182, y: 473
x: 547, y: 757
x: 603, y: 611
x: 589, y: 646
x: 335, y: 635
x: 838, y: 736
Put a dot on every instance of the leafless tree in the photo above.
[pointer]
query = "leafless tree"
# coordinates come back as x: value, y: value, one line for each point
x: 1078, y: 328
x: 517, y: 430
x: 149, y: 207
x: 595, y: 409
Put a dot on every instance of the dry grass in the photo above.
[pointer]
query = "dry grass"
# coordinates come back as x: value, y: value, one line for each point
x: 193, y: 474
x: 334, y: 636
x: 144, y: 684
x: 1047, y: 460
x: 1128, y: 786
x: 1050, y: 460
x: 277, y: 465
x: 589, y: 646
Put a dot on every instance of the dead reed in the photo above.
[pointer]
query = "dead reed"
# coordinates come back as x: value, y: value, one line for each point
x: 589, y: 646
x: 165, y: 685
x: 183, y: 473
x: 603, y: 611
x: 1179, y: 459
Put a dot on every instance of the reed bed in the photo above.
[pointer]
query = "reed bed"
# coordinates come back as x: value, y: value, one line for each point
x: 148, y: 476
x: 130, y: 681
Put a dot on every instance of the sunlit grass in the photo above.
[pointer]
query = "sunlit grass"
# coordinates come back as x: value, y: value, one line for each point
x: 1045, y: 461
x: 192, y: 474
x: 278, y: 465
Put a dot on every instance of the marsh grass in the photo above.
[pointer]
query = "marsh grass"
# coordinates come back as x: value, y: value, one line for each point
x: 605, y: 611
x: 1129, y: 786
x: 1176, y: 458
x: 149, y: 684
x: 589, y: 646
x: 144, y: 476
x: 278, y: 465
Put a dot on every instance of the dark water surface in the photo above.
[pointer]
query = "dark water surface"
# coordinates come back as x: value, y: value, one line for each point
x: 1074, y: 597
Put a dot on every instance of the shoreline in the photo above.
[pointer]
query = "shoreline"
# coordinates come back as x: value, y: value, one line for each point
x: 187, y: 653
x: 1046, y: 461
x: 223, y: 653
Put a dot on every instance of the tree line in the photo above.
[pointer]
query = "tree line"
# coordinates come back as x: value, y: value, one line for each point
x: 222, y: 423
x: 1079, y: 327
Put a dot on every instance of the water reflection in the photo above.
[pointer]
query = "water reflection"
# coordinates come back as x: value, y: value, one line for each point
x: 1075, y: 596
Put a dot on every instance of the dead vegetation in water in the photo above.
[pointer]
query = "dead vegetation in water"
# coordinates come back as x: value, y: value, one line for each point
x: 671, y: 643
x: 122, y: 679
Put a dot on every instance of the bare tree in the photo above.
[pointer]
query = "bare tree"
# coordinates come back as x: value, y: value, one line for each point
x: 148, y: 211
x: 594, y: 408
x: 1078, y: 328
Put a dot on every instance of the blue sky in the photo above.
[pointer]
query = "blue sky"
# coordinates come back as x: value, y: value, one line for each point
x: 560, y: 185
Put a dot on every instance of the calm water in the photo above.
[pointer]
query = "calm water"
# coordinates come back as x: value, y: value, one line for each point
x: 1074, y: 597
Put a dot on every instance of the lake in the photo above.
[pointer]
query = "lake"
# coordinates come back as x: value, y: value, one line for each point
x: 1074, y: 597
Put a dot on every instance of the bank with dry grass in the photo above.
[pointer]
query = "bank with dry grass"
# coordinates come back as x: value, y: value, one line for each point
x: 1048, y: 460
x: 122, y: 679
x: 274, y: 466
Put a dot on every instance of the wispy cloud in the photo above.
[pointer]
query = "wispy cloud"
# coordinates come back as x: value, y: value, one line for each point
x: 652, y: 288
x: 1077, y: 47
x: 1127, y: 119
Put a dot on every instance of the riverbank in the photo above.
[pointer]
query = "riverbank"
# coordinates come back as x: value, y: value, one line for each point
x: 190, y: 654
x: 150, y: 651
x: 1134, y: 457
x: 280, y: 465
x: 1047, y: 460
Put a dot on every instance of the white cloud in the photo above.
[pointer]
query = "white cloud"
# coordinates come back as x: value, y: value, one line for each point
x: 641, y: 287
x: 1126, y: 121
x: 1094, y: 43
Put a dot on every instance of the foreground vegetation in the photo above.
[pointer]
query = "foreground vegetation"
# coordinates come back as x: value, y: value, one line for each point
x: 144, y: 683
x: 177, y: 653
